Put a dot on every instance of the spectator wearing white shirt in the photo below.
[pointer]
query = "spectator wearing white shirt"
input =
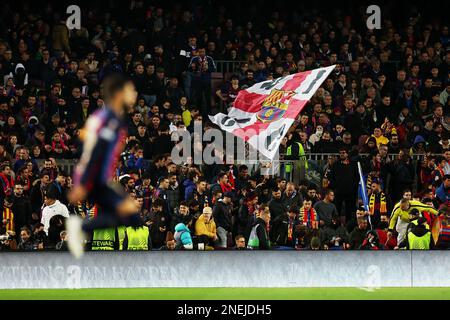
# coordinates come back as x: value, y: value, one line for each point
x: 52, y: 208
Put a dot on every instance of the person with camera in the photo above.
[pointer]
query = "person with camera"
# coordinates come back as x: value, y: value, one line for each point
x: 8, y: 241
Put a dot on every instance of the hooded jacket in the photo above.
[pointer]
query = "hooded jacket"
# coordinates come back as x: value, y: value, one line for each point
x: 183, y: 236
x: 20, y: 76
x: 205, y: 228
x: 189, y: 187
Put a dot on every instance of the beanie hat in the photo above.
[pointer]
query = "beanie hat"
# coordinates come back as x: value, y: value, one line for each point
x: 419, y: 139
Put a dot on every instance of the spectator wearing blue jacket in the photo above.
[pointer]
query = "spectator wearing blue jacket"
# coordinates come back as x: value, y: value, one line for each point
x: 183, y: 237
x: 24, y: 157
x: 189, y: 185
x: 136, y: 160
x: 443, y: 192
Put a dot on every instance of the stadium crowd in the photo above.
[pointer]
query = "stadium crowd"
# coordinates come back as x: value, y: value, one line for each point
x: 388, y: 95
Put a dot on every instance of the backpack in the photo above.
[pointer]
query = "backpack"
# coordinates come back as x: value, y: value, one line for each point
x: 253, y: 240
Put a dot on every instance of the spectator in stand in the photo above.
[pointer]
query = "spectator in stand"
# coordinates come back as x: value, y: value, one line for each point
x: 159, y: 224
x: 7, y: 182
x: 223, y: 215
x: 443, y: 192
x: 52, y: 208
x: 205, y: 228
x: 21, y: 207
x: 239, y: 241
x: 326, y: 209
x: 182, y: 215
x: 276, y: 205
x: 334, y: 236
x: 344, y: 180
x: 201, y: 67
x: 259, y: 237
x: 358, y: 235
x: 26, y: 243
x: 308, y: 215
x: 283, y: 232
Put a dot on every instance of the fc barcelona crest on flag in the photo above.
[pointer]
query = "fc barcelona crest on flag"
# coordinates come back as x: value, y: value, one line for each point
x: 275, y: 105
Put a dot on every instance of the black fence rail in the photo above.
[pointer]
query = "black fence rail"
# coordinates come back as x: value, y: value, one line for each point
x: 233, y: 66
x: 228, y: 66
x: 312, y: 164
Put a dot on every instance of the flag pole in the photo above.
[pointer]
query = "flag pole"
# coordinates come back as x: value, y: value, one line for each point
x: 364, y: 192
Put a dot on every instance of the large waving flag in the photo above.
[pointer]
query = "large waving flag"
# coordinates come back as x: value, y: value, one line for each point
x: 262, y: 114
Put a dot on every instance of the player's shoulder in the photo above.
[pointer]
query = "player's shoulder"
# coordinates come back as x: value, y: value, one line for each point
x: 104, y: 113
x: 102, y: 116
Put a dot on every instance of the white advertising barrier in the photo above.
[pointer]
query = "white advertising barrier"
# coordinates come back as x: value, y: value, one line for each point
x: 365, y: 269
x: 431, y: 269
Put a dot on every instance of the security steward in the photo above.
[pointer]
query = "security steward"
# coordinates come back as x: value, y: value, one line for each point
x: 418, y: 236
x: 105, y: 239
x: 137, y: 238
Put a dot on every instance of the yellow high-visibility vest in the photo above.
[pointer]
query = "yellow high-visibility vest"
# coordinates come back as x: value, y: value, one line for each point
x: 301, y: 154
x: 103, y: 239
x: 138, y: 238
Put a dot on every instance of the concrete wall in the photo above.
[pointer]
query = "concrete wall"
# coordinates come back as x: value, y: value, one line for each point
x: 225, y: 269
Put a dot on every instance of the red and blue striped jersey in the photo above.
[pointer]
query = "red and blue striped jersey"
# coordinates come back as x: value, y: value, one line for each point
x: 104, y: 140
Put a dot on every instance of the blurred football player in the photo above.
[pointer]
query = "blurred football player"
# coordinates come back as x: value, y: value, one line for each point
x: 103, y: 138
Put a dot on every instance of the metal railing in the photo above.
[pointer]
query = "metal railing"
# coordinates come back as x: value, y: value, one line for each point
x: 319, y: 159
x: 233, y: 66
x: 228, y: 66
